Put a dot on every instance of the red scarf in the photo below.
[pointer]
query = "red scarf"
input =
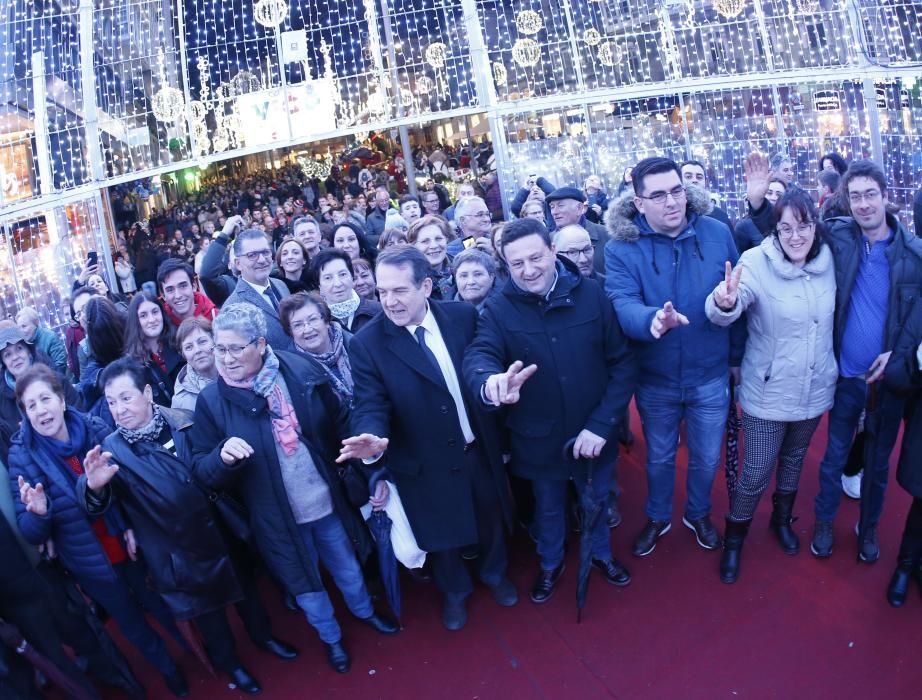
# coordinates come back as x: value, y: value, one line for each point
x: 202, y: 306
x: 111, y: 544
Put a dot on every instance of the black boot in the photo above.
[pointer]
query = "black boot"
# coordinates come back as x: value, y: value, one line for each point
x: 781, y: 520
x: 734, y: 536
x: 907, y: 566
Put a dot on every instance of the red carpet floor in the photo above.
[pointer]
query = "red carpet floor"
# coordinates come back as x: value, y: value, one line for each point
x: 791, y: 627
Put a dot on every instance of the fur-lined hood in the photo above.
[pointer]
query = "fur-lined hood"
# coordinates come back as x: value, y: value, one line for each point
x: 619, y: 219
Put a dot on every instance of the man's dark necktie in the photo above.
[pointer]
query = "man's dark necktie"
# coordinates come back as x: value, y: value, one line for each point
x: 421, y: 338
x: 270, y: 295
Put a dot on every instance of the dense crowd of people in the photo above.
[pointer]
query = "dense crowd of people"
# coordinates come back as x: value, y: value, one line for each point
x: 279, y: 359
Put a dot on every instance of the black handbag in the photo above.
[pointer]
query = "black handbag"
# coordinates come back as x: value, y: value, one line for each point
x: 356, y: 486
x: 233, y: 514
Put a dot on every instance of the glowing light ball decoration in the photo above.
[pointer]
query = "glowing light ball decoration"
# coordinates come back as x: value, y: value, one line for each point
x: 424, y: 84
x: 168, y: 103
x: 245, y: 82
x: 729, y: 8
x: 435, y: 57
x: 529, y: 22
x: 609, y: 54
x: 270, y: 13
x: 526, y: 52
x: 592, y: 37
x: 500, y: 74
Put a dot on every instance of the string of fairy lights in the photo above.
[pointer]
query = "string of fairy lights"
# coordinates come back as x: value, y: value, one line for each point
x: 176, y: 81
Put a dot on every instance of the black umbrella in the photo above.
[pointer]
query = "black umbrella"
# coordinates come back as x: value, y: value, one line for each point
x: 732, y: 464
x: 11, y: 636
x: 869, y: 488
x: 380, y: 525
x: 590, y: 510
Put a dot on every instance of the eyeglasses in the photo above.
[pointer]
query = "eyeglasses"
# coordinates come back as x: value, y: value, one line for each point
x: 859, y: 197
x: 234, y: 351
x: 802, y: 230
x: 576, y: 252
x: 677, y: 193
x: 312, y: 322
x: 255, y: 255
x: 480, y: 214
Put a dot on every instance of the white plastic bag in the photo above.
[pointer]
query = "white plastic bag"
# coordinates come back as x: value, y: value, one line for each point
x: 403, y: 540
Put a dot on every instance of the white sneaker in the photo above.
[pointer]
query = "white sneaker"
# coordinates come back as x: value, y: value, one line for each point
x: 851, y: 485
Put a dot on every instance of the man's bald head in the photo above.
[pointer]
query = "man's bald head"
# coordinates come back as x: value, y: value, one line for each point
x: 573, y: 243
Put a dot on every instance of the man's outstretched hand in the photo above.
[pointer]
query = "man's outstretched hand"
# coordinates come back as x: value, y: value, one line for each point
x: 364, y: 446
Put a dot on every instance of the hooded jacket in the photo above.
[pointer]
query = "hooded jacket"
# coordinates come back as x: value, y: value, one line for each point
x: 789, y: 371
x: 645, y: 269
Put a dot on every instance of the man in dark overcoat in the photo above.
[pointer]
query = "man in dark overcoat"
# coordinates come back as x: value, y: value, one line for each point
x: 550, y: 349
x: 442, y: 450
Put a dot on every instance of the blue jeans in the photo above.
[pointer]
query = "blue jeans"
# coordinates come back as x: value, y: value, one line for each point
x: 551, y: 496
x: 327, y: 539
x: 850, y: 400
x: 661, y: 411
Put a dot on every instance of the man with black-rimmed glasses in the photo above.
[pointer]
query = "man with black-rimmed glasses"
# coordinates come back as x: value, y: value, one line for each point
x: 664, y: 258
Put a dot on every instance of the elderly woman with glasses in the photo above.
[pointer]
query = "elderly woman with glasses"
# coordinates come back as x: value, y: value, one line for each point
x: 787, y: 288
x: 307, y: 319
x: 269, y: 429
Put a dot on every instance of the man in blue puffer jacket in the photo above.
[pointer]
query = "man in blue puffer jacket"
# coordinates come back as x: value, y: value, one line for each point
x: 664, y: 258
